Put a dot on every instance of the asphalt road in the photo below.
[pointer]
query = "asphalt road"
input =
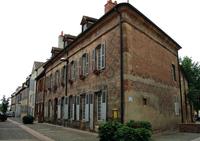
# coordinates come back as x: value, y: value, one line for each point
x: 11, y: 132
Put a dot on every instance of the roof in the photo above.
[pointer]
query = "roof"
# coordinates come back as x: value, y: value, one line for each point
x: 87, y: 18
x: 118, y: 6
x: 37, y: 64
x: 55, y: 49
x: 69, y: 36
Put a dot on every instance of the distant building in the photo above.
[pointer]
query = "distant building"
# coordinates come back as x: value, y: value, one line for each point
x: 13, y: 102
x: 18, y: 97
x: 36, y: 70
x: 24, y: 98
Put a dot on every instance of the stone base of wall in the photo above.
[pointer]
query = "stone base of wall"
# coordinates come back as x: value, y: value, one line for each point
x: 189, y: 127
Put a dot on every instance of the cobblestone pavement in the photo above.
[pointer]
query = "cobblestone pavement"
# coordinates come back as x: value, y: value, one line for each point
x: 11, y: 132
x: 59, y: 133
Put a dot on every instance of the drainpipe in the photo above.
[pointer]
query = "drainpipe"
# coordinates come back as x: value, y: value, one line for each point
x: 180, y: 89
x: 121, y: 67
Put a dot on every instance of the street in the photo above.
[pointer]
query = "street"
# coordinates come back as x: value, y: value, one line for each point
x: 11, y: 132
x: 14, y: 130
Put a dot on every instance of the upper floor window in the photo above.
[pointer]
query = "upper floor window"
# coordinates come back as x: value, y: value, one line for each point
x: 63, y: 75
x: 84, y: 65
x: 174, y: 72
x: 72, y: 69
x: 84, y: 27
x: 98, y: 57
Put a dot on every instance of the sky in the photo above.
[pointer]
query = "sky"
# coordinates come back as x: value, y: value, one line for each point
x: 30, y: 28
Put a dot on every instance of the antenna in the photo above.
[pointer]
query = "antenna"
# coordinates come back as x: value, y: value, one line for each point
x: 127, y: 1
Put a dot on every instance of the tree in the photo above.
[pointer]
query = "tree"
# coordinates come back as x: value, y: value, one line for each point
x: 4, y: 104
x: 192, y: 72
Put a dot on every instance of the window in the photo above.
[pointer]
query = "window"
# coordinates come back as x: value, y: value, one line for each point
x: 63, y: 76
x: 144, y: 101
x: 51, y: 81
x: 84, y: 27
x: 85, y: 64
x: 101, y: 105
x: 174, y: 72
x: 98, y: 57
x: 66, y: 100
x: 73, y: 67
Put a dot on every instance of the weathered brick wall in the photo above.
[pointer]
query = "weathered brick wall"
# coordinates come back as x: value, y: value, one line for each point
x: 190, y: 128
x: 109, y: 77
x: 150, y: 91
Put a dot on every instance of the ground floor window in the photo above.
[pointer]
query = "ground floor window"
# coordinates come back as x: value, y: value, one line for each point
x: 101, y: 105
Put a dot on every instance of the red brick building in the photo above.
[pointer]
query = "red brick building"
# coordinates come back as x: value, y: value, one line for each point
x: 121, y: 65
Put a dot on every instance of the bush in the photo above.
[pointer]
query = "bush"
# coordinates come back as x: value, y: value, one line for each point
x: 142, y: 134
x: 28, y: 119
x: 125, y: 133
x: 107, y: 130
x: 131, y: 131
x: 139, y: 124
x: 3, y: 117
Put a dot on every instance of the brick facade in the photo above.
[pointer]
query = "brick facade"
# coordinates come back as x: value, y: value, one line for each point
x: 150, y: 72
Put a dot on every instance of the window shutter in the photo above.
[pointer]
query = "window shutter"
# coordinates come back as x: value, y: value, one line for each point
x: 69, y: 73
x: 103, y: 105
x: 87, y: 64
x: 59, y: 108
x: 66, y: 108
x: 75, y: 70
x: 87, y: 108
x: 77, y: 107
x: 103, y: 46
x: 94, y: 60
x: 73, y: 108
x: 80, y: 66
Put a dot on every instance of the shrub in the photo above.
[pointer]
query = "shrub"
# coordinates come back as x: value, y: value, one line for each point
x: 107, y: 130
x: 125, y: 133
x: 142, y: 134
x: 131, y: 131
x: 3, y: 117
x: 28, y: 119
x: 139, y: 124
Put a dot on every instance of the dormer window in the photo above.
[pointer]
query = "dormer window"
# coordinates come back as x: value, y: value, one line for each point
x: 68, y: 39
x: 86, y: 22
x: 84, y: 27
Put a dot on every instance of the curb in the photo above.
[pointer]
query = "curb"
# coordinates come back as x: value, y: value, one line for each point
x: 36, y: 134
x: 197, y: 139
x: 72, y: 129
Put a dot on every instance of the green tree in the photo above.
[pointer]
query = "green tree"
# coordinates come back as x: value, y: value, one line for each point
x: 4, y: 104
x: 192, y: 72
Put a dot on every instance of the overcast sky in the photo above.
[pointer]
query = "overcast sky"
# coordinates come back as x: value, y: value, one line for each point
x: 29, y: 28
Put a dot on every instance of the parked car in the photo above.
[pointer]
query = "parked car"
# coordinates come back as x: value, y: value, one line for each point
x: 3, y: 117
x: 10, y: 114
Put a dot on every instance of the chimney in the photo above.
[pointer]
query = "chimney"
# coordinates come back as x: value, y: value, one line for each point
x: 109, y: 5
x: 60, y: 40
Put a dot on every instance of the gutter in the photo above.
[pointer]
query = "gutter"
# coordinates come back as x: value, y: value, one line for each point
x: 121, y: 66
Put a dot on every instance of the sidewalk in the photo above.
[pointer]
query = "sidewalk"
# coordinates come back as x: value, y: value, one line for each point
x: 177, y: 136
x: 60, y: 133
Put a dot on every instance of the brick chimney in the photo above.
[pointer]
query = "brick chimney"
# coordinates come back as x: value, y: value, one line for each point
x: 109, y: 5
